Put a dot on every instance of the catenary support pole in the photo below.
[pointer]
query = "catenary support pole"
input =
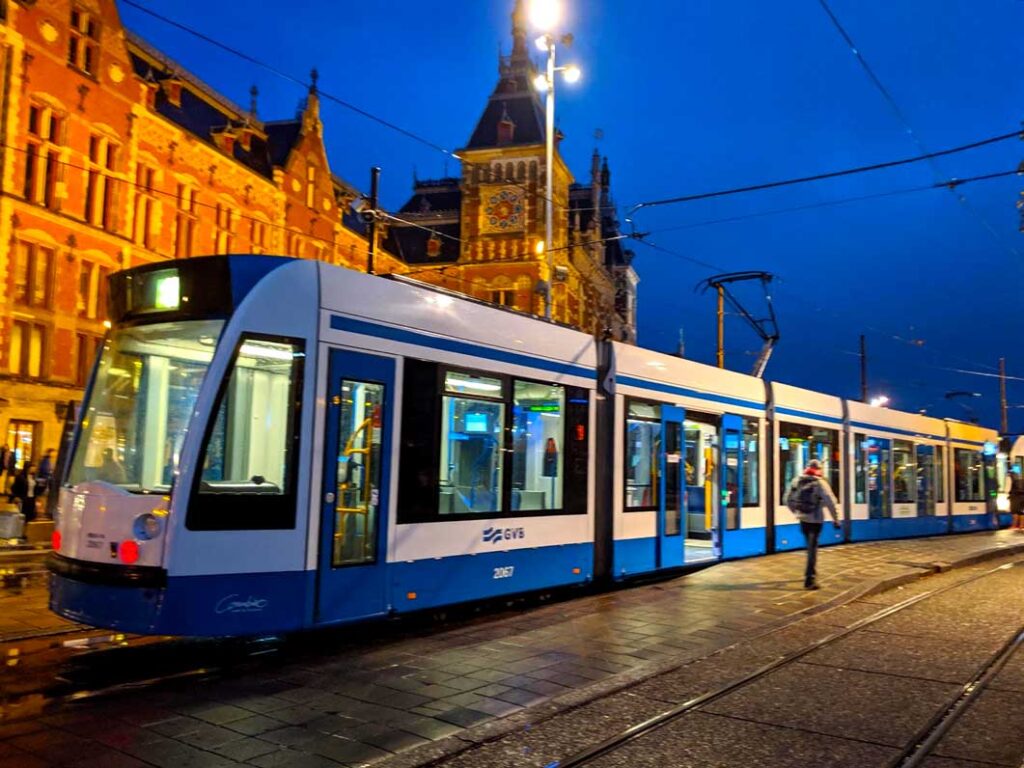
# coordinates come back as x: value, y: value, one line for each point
x: 721, y: 326
x: 863, y: 370
x: 374, y: 204
x: 1004, y: 421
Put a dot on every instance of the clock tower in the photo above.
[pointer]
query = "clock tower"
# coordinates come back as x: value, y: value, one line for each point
x: 486, y: 226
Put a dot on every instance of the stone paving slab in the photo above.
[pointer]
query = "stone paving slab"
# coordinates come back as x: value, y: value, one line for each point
x: 805, y: 696
x: 420, y: 693
x: 928, y: 658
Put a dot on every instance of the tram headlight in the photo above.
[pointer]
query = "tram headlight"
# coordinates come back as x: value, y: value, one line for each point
x: 147, y: 526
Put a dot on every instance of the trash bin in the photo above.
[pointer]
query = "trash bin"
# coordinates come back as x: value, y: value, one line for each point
x: 12, y: 522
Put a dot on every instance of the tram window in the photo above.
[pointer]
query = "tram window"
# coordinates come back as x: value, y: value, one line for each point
x: 751, y: 463
x: 904, y: 472
x: 250, y: 454
x: 484, y: 445
x: 798, y: 444
x: 538, y: 437
x: 472, y: 434
x: 643, y: 448
x: 361, y: 422
x: 860, y: 469
x: 940, y: 474
x: 969, y: 475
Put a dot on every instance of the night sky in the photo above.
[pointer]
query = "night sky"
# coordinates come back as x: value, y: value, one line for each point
x: 693, y: 96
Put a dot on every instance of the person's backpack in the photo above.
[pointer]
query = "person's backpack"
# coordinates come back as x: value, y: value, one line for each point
x: 805, y: 496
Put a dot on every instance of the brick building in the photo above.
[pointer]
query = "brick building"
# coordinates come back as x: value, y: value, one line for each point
x: 113, y: 156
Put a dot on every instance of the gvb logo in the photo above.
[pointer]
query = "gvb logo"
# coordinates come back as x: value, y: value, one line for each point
x: 493, y: 535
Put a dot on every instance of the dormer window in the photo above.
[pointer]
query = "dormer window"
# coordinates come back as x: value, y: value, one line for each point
x: 506, y: 129
x: 84, y: 41
x: 172, y: 89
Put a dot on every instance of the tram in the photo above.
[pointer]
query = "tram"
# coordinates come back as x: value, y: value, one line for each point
x: 271, y: 444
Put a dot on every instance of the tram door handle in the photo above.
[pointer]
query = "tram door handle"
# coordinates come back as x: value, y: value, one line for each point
x: 329, y: 498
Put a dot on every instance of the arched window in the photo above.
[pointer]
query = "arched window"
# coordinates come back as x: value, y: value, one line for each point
x: 533, y: 170
x: 510, y: 171
x: 521, y: 171
x: 497, y: 171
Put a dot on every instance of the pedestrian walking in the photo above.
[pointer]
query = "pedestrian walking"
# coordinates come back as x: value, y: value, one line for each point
x: 45, y: 476
x: 1016, y: 494
x: 806, y: 498
x: 24, y: 490
x: 11, y: 466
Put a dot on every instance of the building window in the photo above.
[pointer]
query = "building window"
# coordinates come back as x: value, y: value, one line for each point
x: 940, y: 475
x: 185, y: 221
x: 86, y: 347
x: 99, y: 190
x: 22, y: 437
x: 42, y: 155
x: 84, y: 42
x: 145, y: 206
x: 503, y: 298
x: 257, y: 236
x: 223, y: 234
x: 91, y: 302
x: 310, y: 185
x: 27, y: 349
x: 33, y: 275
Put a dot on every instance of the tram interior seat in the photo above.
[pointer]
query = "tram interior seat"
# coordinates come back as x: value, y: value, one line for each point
x: 695, y: 527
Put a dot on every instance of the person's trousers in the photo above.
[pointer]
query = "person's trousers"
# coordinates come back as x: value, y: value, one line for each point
x: 811, y: 531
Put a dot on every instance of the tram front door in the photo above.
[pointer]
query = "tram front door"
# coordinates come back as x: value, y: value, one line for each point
x: 357, y: 444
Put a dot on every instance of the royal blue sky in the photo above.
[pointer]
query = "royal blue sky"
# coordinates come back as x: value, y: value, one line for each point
x: 700, y: 95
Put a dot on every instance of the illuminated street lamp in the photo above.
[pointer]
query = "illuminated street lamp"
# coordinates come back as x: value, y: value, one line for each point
x: 879, y: 401
x: 545, y: 15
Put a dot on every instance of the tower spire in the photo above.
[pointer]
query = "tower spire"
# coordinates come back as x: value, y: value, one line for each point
x: 519, y: 31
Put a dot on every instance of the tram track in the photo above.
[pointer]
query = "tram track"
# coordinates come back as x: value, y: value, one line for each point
x: 914, y: 753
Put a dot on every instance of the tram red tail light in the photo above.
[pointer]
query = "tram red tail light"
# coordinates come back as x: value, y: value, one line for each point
x: 128, y: 551
x: 55, y: 541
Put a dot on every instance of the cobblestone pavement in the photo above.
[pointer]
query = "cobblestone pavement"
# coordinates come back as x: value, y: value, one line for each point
x: 399, y: 697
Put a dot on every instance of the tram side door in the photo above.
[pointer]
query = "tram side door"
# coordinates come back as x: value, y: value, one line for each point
x: 730, y: 481
x: 879, y: 496
x: 357, y: 446
x: 925, y: 481
x: 671, y: 536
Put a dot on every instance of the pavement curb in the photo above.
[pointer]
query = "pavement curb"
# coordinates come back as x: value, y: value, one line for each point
x: 22, y: 555
x: 456, y: 744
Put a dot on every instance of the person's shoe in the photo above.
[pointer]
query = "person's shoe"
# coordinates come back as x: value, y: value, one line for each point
x: 811, y: 585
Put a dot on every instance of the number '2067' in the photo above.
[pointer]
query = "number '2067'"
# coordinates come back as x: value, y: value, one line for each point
x: 505, y: 572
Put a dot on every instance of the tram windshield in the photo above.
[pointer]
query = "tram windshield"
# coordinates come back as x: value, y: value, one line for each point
x: 138, y: 410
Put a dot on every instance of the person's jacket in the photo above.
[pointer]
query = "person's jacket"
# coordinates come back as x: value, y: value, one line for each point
x: 823, y: 498
x: 23, y: 485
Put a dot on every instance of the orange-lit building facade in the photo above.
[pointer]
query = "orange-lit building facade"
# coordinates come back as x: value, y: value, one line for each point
x: 113, y: 156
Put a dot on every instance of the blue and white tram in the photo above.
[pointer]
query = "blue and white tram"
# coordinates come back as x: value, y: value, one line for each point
x: 270, y: 444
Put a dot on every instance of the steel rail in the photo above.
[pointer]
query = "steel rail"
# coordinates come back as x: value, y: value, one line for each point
x: 633, y: 733
x: 936, y: 729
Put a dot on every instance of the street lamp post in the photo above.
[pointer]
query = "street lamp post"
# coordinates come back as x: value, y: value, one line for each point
x: 545, y: 15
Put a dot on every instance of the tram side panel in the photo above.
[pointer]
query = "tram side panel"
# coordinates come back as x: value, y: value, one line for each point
x: 808, y: 425
x: 493, y: 471
x: 689, y: 475
x: 973, y: 490
x: 899, y: 464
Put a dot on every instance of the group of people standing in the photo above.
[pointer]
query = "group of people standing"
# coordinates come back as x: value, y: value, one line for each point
x: 27, y: 484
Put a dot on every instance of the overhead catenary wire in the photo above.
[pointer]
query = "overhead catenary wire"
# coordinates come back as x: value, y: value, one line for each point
x: 823, y: 176
x: 901, y: 116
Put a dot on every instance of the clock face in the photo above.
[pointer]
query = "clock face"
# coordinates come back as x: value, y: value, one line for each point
x: 502, y: 209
